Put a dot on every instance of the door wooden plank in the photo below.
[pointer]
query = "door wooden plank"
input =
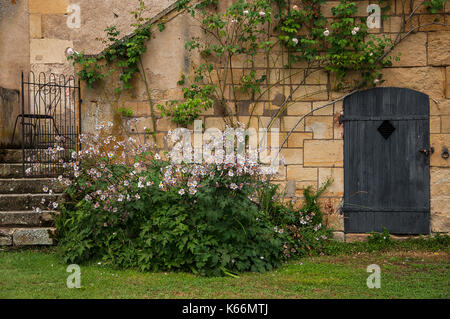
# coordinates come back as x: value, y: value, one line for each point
x: 386, y: 181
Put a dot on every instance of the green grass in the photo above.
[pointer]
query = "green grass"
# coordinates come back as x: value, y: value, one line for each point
x: 32, y: 273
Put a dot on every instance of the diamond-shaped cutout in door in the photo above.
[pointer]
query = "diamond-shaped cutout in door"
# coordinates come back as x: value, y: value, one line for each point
x: 386, y: 129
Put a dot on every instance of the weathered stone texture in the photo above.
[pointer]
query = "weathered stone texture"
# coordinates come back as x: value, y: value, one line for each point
x: 299, y: 173
x: 48, y: 7
x: 435, y: 124
x: 321, y: 126
x: 351, y: 238
x: 327, y: 110
x: 10, y: 108
x: 440, y: 107
x: 32, y: 236
x: 292, y: 156
x: 423, y: 79
x: 439, y: 142
x: 311, y: 93
x: 413, y: 51
x: 289, y: 123
x: 323, y: 153
x: 297, y: 139
x: 433, y: 22
x: 440, y: 182
x: 49, y: 50
x: 35, y: 26
x: 299, y: 108
x: 438, y: 48
x: 14, y: 42
x: 440, y: 199
x: 392, y: 24
x: 445, y: 126
x: 6, y: 237
x: 440, y: 220
x: 336, y: 175
x: 447, y: 82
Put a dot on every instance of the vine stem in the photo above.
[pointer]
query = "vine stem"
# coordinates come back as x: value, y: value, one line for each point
x: 150, y: 100
x: 305, y: 115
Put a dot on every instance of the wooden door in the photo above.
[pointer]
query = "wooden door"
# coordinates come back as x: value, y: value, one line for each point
x: 386, y: 161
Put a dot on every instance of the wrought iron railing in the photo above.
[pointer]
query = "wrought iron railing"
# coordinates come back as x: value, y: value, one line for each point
x: 50, y: 116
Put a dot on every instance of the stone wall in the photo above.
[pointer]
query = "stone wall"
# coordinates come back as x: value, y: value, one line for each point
x: 34, y: 35
x: 314, y: 152
x: 9, y: 108
x: 14, y: 42
x: 53, y: 28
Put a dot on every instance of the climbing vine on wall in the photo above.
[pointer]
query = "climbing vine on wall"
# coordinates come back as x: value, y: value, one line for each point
x: 241, y: 48
x: 122, y: 55
x: 250, y: 31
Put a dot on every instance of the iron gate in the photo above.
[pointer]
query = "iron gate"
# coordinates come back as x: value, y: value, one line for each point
x: 386, y: 161
x: 50, y: 118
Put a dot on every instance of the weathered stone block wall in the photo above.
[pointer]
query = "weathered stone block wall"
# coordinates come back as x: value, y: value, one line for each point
x: 14, y: 43
x: 9, y: 108
x: 50, y: 34
x: 314, y: 151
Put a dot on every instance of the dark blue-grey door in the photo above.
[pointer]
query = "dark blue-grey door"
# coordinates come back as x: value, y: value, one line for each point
x: 386, y: 161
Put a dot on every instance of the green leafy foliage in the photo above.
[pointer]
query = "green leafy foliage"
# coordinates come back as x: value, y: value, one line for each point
x: 212, y: 232
x: 301, y: 228
x: 340, y: 46
x: 197, y: 98
x: 125, y: 112
x: 435, y: 6
x: 122, y: 54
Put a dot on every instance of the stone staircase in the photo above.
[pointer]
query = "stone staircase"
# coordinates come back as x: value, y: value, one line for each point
x: 19, y: 224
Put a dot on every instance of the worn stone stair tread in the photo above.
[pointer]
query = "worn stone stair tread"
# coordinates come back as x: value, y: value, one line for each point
x: 10, y: 156
x: 26, y: 236
x: 26, y: 218
x: 16, y: 202
x: 14, y: 170
x: 28, y: 185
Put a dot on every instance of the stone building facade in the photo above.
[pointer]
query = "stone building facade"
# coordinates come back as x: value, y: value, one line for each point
x: 314, y: 151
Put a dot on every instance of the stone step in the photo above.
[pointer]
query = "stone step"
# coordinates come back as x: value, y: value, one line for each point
x: 26, y: 219
x: 14, y: 170
x: 10, y: 170
x: 10, y: 156
x: 26, y: 236
x: 14, y: 156
x: 21, y: 202
x: 28, y: 185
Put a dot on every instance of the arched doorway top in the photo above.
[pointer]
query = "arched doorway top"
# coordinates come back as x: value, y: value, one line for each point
x: 387, y: 101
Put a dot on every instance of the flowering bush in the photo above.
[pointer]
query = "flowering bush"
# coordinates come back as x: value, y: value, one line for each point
x: 127, y: 206
x: 150, y: 214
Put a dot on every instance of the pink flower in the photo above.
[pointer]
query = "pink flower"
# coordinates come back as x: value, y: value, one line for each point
x: 262, y: 14
x: 326, y: 32
x: 295, y: 7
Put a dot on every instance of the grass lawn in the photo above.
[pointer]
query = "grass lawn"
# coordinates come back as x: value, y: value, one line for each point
x: 404, y: 274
